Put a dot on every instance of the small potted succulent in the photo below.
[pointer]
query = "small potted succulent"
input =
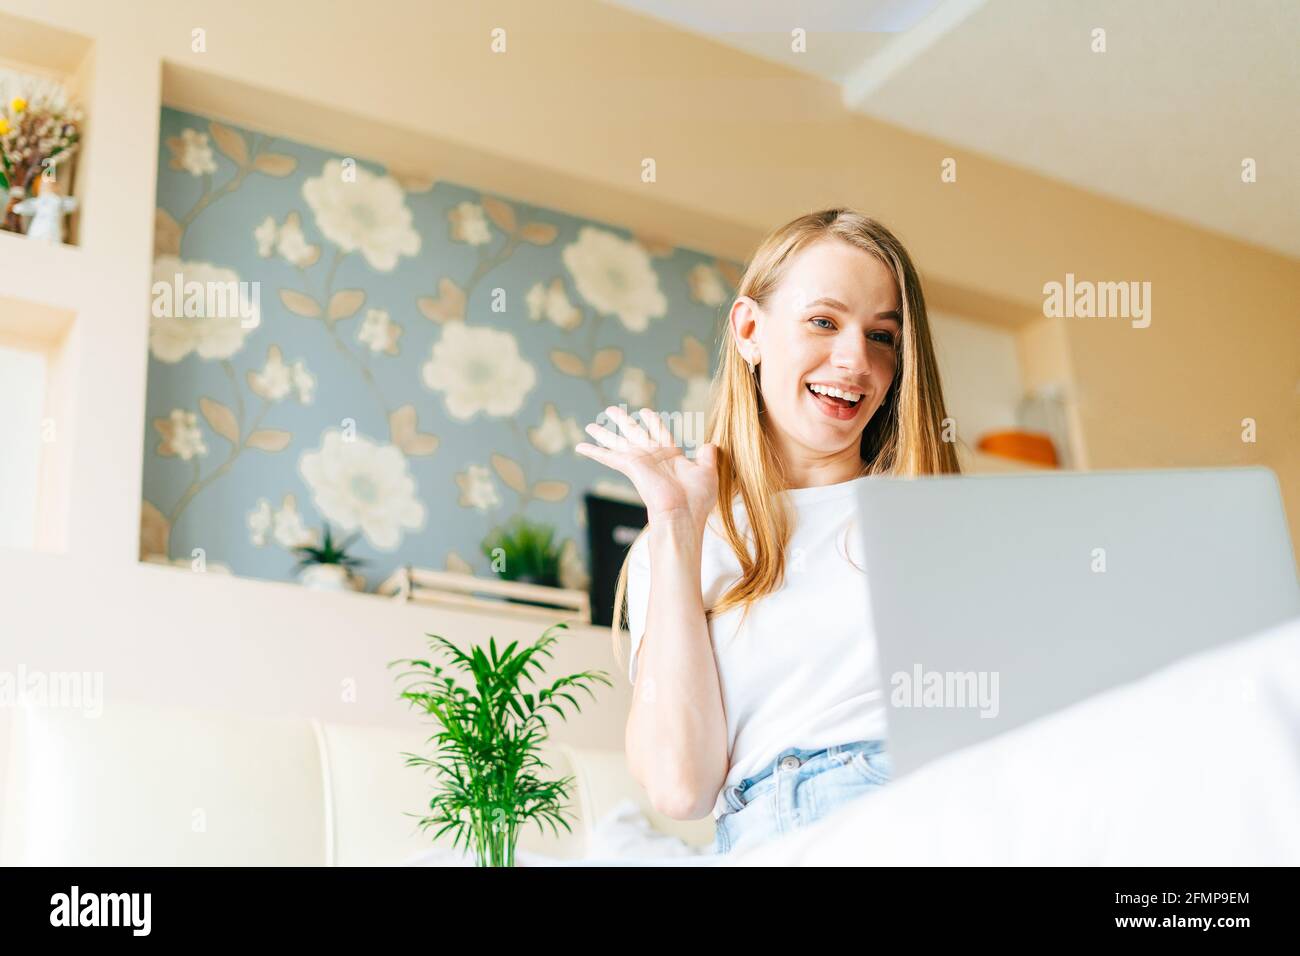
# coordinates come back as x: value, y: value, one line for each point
x: 328, y: 566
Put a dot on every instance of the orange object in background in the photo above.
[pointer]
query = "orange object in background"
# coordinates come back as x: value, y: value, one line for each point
x: 1034, y: 447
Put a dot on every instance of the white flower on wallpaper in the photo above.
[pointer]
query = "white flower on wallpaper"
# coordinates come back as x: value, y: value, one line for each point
x: 551, y: 302
x: 698, y: 395
x: 616, y: 277
x: 181, y: 436
x: 478, y: 369
x: 290, y: 530
x: 364, y: 212
x: 358, y: 484
x: 469, y: 224
x: 555, y: 434
x: 285, y: 524
x: 259, y: 523
x: 277, y: 380
x: 287, y: 239
x: 379, y: 332
x: 191, y: 152
x: 266, y: 235
x: 706, y: 285
x: 174, y: 335
x: 637, y: 388
x: 304, y: 383
x: 477, y: 490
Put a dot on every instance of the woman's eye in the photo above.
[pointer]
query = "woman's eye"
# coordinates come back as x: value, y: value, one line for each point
x: 829, y: 324
x: 887, y: 338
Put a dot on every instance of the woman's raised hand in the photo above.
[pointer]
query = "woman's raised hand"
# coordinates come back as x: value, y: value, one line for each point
x: 669, y: 483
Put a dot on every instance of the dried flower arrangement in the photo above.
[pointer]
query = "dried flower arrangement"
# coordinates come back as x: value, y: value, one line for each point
x: 40, y: 130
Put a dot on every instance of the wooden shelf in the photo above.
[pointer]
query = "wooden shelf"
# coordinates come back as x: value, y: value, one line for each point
x: 490, y: 595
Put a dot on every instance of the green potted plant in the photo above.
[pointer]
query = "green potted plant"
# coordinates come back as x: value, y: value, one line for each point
x: 488, y: 741
x: 328, y: 566
x: 523, y: 550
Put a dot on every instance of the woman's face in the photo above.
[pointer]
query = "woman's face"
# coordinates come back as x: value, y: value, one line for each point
x: 805, y: 343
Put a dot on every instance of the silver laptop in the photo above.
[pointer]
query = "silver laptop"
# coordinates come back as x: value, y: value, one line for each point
x: 999, y: 599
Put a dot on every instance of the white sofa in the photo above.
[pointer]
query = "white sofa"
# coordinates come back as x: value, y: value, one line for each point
x: 144, y: 785
x: 1193, y: 765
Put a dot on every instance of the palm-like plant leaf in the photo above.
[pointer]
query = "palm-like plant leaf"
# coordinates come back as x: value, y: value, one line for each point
x: 328, y: 551
x: 487, y: 741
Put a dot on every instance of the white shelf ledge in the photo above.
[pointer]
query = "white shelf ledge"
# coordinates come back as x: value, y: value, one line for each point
x: 41, y: 273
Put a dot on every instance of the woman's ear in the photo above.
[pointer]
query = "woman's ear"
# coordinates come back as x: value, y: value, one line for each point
x: 744, y: 318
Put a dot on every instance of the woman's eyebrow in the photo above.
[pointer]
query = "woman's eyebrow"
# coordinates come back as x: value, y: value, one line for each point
x: 827, y: 300
x: 837, y: 304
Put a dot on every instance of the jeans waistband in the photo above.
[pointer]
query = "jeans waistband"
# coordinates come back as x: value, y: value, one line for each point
x: 734, y: 794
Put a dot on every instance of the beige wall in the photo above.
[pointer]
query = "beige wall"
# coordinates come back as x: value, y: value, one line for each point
x: 565, y: 117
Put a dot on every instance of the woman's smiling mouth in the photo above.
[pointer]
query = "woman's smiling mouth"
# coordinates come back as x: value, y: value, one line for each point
x: 838, y: 403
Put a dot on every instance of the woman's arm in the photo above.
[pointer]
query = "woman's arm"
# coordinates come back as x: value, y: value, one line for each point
x: 676, y: 734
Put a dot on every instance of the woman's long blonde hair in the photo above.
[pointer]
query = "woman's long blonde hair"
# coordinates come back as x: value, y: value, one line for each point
x: 903, y: 437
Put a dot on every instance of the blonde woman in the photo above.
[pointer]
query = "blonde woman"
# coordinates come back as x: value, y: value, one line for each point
x: 755, y: 687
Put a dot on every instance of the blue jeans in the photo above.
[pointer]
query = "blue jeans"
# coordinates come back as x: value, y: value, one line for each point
x: 797, y: 788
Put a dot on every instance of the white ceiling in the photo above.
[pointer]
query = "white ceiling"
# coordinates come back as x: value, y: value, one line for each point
x: 1163, y: 119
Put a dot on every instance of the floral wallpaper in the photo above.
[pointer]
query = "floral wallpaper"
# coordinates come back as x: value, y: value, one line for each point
x: 414, y: 364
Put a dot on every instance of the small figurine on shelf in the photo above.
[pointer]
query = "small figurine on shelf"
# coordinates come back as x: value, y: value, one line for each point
x: 47, y: 210
x: 39, y: 132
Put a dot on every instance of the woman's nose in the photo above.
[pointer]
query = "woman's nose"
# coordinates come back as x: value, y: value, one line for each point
x: 853, y: 360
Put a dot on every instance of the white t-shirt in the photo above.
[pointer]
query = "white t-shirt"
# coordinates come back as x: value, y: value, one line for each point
x: 803, y: 671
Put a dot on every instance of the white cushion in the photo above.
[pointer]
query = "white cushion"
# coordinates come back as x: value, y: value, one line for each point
x: 141, y: 787
x: 144, y: 785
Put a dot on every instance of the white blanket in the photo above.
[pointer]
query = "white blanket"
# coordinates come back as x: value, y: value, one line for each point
x: 1197, y: 764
